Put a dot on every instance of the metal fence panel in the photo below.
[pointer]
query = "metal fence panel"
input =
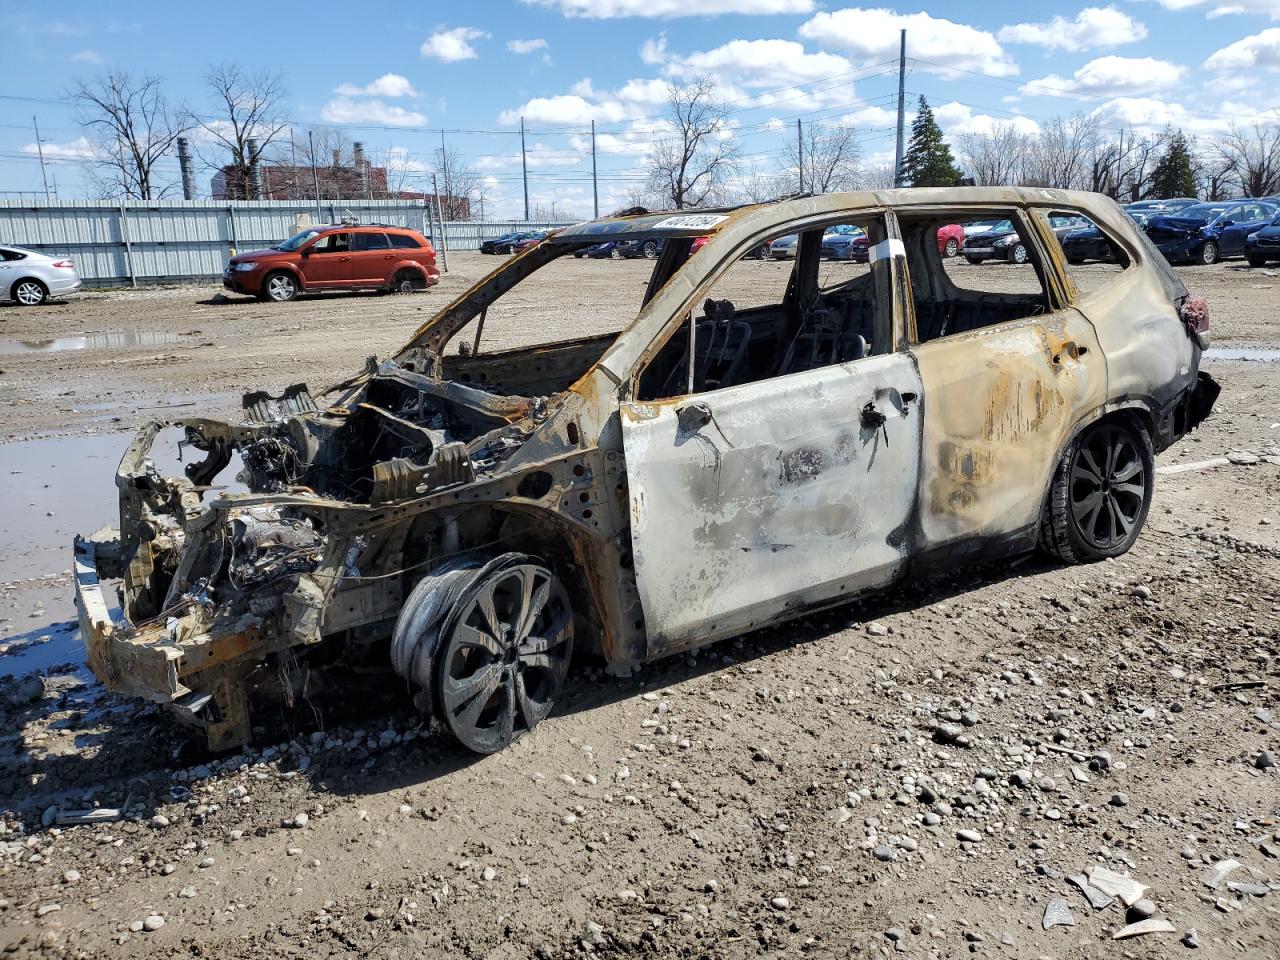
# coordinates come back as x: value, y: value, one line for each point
x: 169, y: 240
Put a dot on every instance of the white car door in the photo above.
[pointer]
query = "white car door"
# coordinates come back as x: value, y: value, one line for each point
x: 751, y: 501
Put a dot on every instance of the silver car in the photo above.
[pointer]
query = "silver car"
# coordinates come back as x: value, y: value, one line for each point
x: 31, y: 278
x: 784, y: 248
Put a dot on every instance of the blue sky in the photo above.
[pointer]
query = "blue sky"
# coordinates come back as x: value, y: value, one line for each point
x: 394, y: 74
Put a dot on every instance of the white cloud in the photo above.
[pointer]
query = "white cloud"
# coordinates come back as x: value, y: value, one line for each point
x: 1260, y: 50
x: 450, y: 46
x: 526, y: 46
x: 779, y: 65
x: 402, y: 160
x: 387, y: 85
x: 635, y: 98
x: 1092, y: 27
x: 88, y: 56
x: 654, y: 50
x: 1109, y: 77
x: 874, y: 118
x: 347, y: 110
x: 1220, y: 8
x: 958, y: 118
x: 1148, y: 115
x: 667, y: 9
x: 871, y: 36
x: 78, y: 149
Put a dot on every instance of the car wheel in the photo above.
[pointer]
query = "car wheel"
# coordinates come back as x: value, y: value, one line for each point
x: 30, y: 292
x: 973, y: 260
x: 615, y: 254
x: 952, y: 248
x: 1100, y: 493
x: 487, y: 647
x: 1257, y: 261
x: 1018, y: 254
x: 404, y: 282
x: 280, y: 287
x: 650, y: 250
x: 1075, y: 261
x: 1209, y: 253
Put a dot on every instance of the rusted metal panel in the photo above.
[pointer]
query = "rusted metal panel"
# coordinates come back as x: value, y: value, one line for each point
x: 786, y: 491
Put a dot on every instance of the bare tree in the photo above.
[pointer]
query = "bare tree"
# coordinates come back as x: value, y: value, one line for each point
x: 880, y: 177
x: 690, y: 166
x: 459, y: 184
x: 995, y: 158
x: 1252, y: 157
x: 246, y: 121
x: 1214, y: 176
x: 133, y: 129
x: 828, y: 158
x: 1060, y: 154
x: 757, y: 186
x: 295, y: 168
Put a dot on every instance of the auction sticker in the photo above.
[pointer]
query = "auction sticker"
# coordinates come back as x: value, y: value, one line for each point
x: 691, y: 221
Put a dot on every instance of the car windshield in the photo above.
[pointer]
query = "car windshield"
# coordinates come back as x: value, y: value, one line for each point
x: 1203, y: 211
x: 297, y: 240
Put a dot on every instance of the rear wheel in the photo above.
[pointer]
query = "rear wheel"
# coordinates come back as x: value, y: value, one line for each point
x: 30, y: 292
x: 650, y: 250
x: 405, y: 281
x: 280, y: 287
x: 1100, y: 494
x: 1209, y: 253
x: 615, y: 254
x: 952, y: 247
x: 973, y: 260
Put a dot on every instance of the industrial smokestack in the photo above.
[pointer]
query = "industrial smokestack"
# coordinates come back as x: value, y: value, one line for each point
x: 255, y: 171
x: 188, y: 169
x: 362, y: 169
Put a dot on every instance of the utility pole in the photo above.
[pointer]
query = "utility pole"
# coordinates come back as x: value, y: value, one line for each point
x: 444, y: 168
x: 524, y: 167
x: 902, y: 109
x: 315, y: 176
x: 595, y: 186
x: 800, y: 153
x: 482, y: 207
x: 40, y: 150
x: 444, y: 240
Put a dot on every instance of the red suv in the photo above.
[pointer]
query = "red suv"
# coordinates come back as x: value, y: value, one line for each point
x: 339, y: 257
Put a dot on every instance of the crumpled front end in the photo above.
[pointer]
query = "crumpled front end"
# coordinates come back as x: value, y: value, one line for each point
x: 217, y: 581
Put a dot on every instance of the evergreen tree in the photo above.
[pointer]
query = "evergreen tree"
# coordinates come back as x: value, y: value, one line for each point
x: 928, y: 162
x: 1173, y: 175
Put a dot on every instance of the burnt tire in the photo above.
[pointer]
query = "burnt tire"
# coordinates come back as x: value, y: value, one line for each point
x: 486, y: 648
x: 1100, y: 493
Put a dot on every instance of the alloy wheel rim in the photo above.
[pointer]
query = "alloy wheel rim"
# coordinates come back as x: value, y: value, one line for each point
x: 1209, y: 254
x: 952, y: 247
x: 1108, y: 487
x: 1019, y: 254
x: 29, y: 294
x: 507, y: 657
x: 281, y: 288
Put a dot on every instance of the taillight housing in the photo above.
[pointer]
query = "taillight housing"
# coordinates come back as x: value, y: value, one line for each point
x: 1195, y: 317
x: 65, y: 264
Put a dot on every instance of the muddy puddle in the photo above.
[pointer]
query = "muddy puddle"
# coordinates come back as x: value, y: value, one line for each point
x: 1256, y: 354
x: 52, y: 489
x: 107, y: 340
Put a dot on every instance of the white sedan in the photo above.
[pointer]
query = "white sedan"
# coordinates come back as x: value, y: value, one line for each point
x: 31, y: 278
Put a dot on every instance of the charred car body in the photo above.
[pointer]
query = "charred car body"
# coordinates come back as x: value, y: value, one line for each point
x: 472, y: 518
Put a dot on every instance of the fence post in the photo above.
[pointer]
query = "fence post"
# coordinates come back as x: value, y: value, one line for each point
x: 231, y: 229
x: 128, y: 246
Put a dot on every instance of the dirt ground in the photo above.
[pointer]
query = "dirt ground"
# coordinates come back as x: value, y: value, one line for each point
x: 920, y: 773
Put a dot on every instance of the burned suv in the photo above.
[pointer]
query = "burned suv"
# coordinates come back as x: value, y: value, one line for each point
x: 757, y: 440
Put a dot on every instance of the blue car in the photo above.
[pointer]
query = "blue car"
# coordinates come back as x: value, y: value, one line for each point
x: 1209, y: 232
x: 1263, y: 245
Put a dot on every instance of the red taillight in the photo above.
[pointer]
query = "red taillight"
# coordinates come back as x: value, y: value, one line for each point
x: 66, y: 264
